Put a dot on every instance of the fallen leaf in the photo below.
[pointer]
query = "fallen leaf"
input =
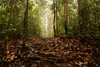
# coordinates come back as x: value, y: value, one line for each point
x: 12, y: 57
x: 86, y: 62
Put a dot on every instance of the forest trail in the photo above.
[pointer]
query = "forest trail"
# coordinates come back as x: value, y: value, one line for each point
x: 61, y: 51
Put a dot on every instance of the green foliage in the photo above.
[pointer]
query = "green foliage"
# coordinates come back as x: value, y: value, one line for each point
x: 90, y: 18
x: 16, y: 21
x: 90, y: 23
x: 34, y: 23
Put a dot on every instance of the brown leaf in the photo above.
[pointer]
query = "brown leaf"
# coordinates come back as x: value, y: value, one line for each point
x: 86, y: 62
x: 7, y: 52
x: 81, y: 63
x: 12, y: 57
x: 69, y: 65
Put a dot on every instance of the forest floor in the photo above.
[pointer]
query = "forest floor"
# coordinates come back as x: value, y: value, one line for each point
x: 61, y: 51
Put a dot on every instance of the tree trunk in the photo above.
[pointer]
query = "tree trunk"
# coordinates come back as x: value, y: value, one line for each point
x: 8, y: 24
x: 25, y: 24
x: 83, y: 15
x: 54, y: 19
x: 79, y: 22
x: 65, y: 15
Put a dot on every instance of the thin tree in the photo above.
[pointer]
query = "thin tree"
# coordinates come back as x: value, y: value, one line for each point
x: 83, y: 15
x: 79, y: 21
x: 54, y: 18
x: 8, y: 23
x: 25, y: 23
x: 65, y: 15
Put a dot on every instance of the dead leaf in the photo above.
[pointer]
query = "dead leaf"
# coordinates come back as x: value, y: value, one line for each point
x: 12, y: 57
x: 86, y: 62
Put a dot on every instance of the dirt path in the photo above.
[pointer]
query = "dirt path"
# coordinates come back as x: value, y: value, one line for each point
x: 63, y: 51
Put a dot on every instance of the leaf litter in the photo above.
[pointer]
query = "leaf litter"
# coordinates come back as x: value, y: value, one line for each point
x: 61, y: 51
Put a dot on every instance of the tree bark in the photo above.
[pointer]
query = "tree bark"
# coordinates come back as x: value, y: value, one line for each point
x: 54, y: 19
x: 65, y: 15
x: 83, y: 15
x: 25, y: 24
x: 8, y: 23
x: 79, y: 22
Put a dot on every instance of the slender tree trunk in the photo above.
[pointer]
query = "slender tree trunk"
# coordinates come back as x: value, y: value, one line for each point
x: 25, y: 24
x: 79, y: 22
x: 8, y: 23
x: 37, y: 20
x: 66, y: 15
x: 84, y: 16
x: 54, y: 19
x: 38, y: 32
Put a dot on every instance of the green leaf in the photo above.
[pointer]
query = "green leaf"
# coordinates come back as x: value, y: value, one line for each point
x: 7, y: 20
x: 11, y: 24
